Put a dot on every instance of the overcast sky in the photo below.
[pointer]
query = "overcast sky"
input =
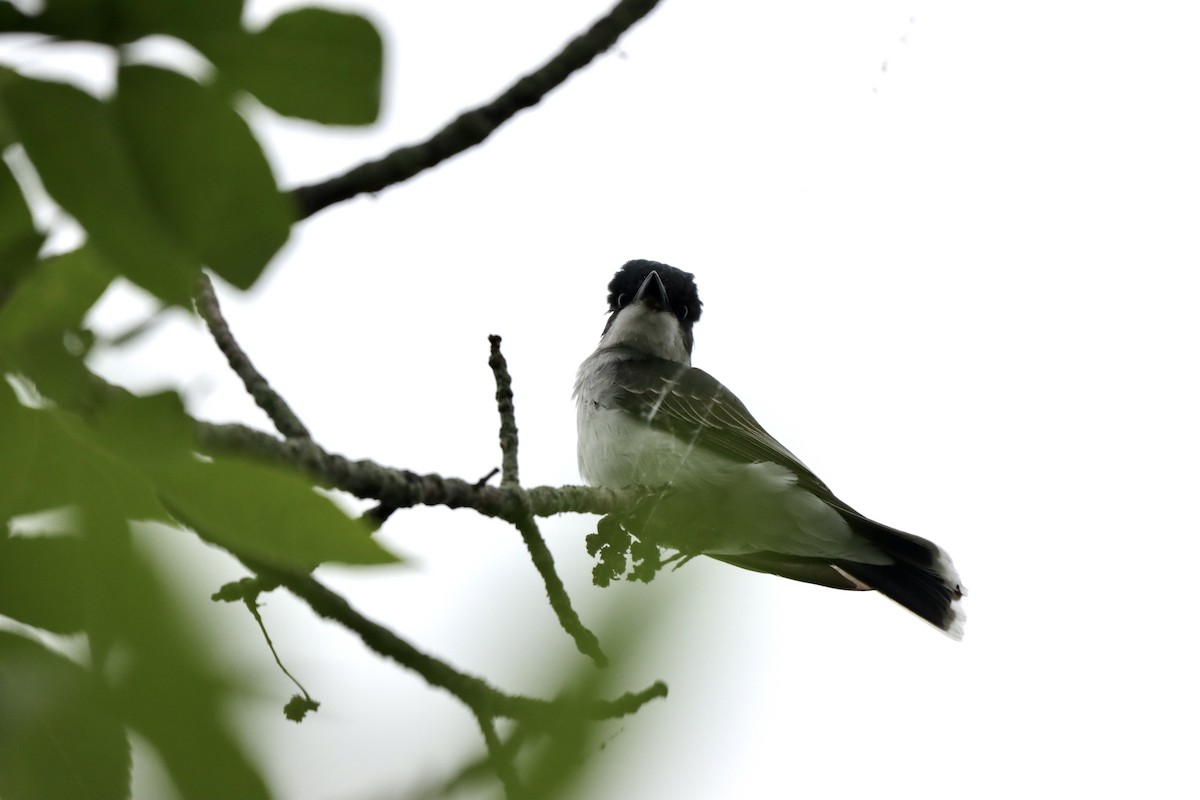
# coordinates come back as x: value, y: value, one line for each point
x: 949, y: 256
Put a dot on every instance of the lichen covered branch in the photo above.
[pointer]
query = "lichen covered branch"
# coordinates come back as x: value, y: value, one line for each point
x: 509, y: 474
x: 404, y: 489
x: 270, y: 401
x: 543, y: 561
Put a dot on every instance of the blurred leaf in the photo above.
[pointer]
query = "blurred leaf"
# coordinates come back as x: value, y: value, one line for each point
x: 311, y: 63
x: 58, y: 737
x: 51, y: 460
x: 268, y: 514
x: 567, y: 756
x: 560, y: 759
x: 187, y: 19
x: 65, y: 19
x: 121, y: 21
x: 48, y: 305
x: 152, y: 432
x: 138, y: 449
x: 165, y: 684
x: 33, y: 574
x: 13, y: 20
x: 203, y: 171
x: 83, y: 161
x: 7, y: 135
x: 54, y: 297
x: 57, y: 373
x: 19, y: 240
x: 165, y: 687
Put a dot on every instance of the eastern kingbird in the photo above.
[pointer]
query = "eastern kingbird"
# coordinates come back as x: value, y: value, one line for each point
x: 732, y: 492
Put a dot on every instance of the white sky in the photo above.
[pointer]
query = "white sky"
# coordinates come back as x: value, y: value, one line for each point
x: 960, y: 287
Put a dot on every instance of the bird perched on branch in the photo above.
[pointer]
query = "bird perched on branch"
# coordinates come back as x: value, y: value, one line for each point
x: 732, y: 491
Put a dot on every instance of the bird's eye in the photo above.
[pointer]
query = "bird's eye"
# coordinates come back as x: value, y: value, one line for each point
x: 621, y: 300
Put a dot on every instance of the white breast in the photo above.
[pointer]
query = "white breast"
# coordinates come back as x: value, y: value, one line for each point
x: 718, y: 505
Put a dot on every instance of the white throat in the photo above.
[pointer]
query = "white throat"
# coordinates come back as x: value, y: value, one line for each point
x: 657, y: 333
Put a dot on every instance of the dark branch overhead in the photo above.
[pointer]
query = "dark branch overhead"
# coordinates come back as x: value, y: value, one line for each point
x: 472, y: 127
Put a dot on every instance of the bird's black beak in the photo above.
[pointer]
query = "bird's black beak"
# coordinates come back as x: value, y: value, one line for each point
x: 653, y: 292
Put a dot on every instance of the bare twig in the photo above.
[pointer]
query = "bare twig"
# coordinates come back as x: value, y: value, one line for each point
x: 270, y: 401
x: 508, y: 417
x: 543, y: 561
x: 585, y: 640
x: 472, y: 127
x: 309, y: 702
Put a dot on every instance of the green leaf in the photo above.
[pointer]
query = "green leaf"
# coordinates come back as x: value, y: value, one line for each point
x: 19, y: 240
x: 165, y: 683
x: 255, y: 510
x: 58, y: 738
x: 312, y: 63
x: 267, y: 514
x: 121, y: 21
x: 187, y: 19
x: 65, y: 19
x: 204, y: 172
x: 39, y: 580
x: 13, y: 20
x: 55, y: 297
x: 52, y: 461
x: 82, y: 159
x: 165, y: 686
x: 153, y: 432
x: 44, y: 308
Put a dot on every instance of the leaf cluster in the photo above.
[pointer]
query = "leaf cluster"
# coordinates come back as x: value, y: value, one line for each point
x: 165, y: 177
x: 621, y: 554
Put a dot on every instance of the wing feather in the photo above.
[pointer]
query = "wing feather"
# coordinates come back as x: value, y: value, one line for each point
x: 693, y: 405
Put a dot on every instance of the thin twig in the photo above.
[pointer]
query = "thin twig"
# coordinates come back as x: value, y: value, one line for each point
x: 491, y: 474
x: 543, y: 561
x: 508, y: 418
x: 585, y: 640
x: 253, y: 606
x: 270, y: 401
x: 472, y: 127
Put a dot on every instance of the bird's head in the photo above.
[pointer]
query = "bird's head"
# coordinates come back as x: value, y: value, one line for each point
x: 652, y: 308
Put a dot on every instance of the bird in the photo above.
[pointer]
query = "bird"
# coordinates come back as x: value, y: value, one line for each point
x: 729, y: 489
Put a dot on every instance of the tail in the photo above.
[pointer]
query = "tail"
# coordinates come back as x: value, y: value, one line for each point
x: 922, y: 579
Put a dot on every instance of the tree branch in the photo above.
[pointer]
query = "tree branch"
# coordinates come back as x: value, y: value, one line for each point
x: 400, y: 489
x: 477, y: 694
x: 585, y: 640
x: 472, y: 127
x: 403, y: 489
x: 270, y: 401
